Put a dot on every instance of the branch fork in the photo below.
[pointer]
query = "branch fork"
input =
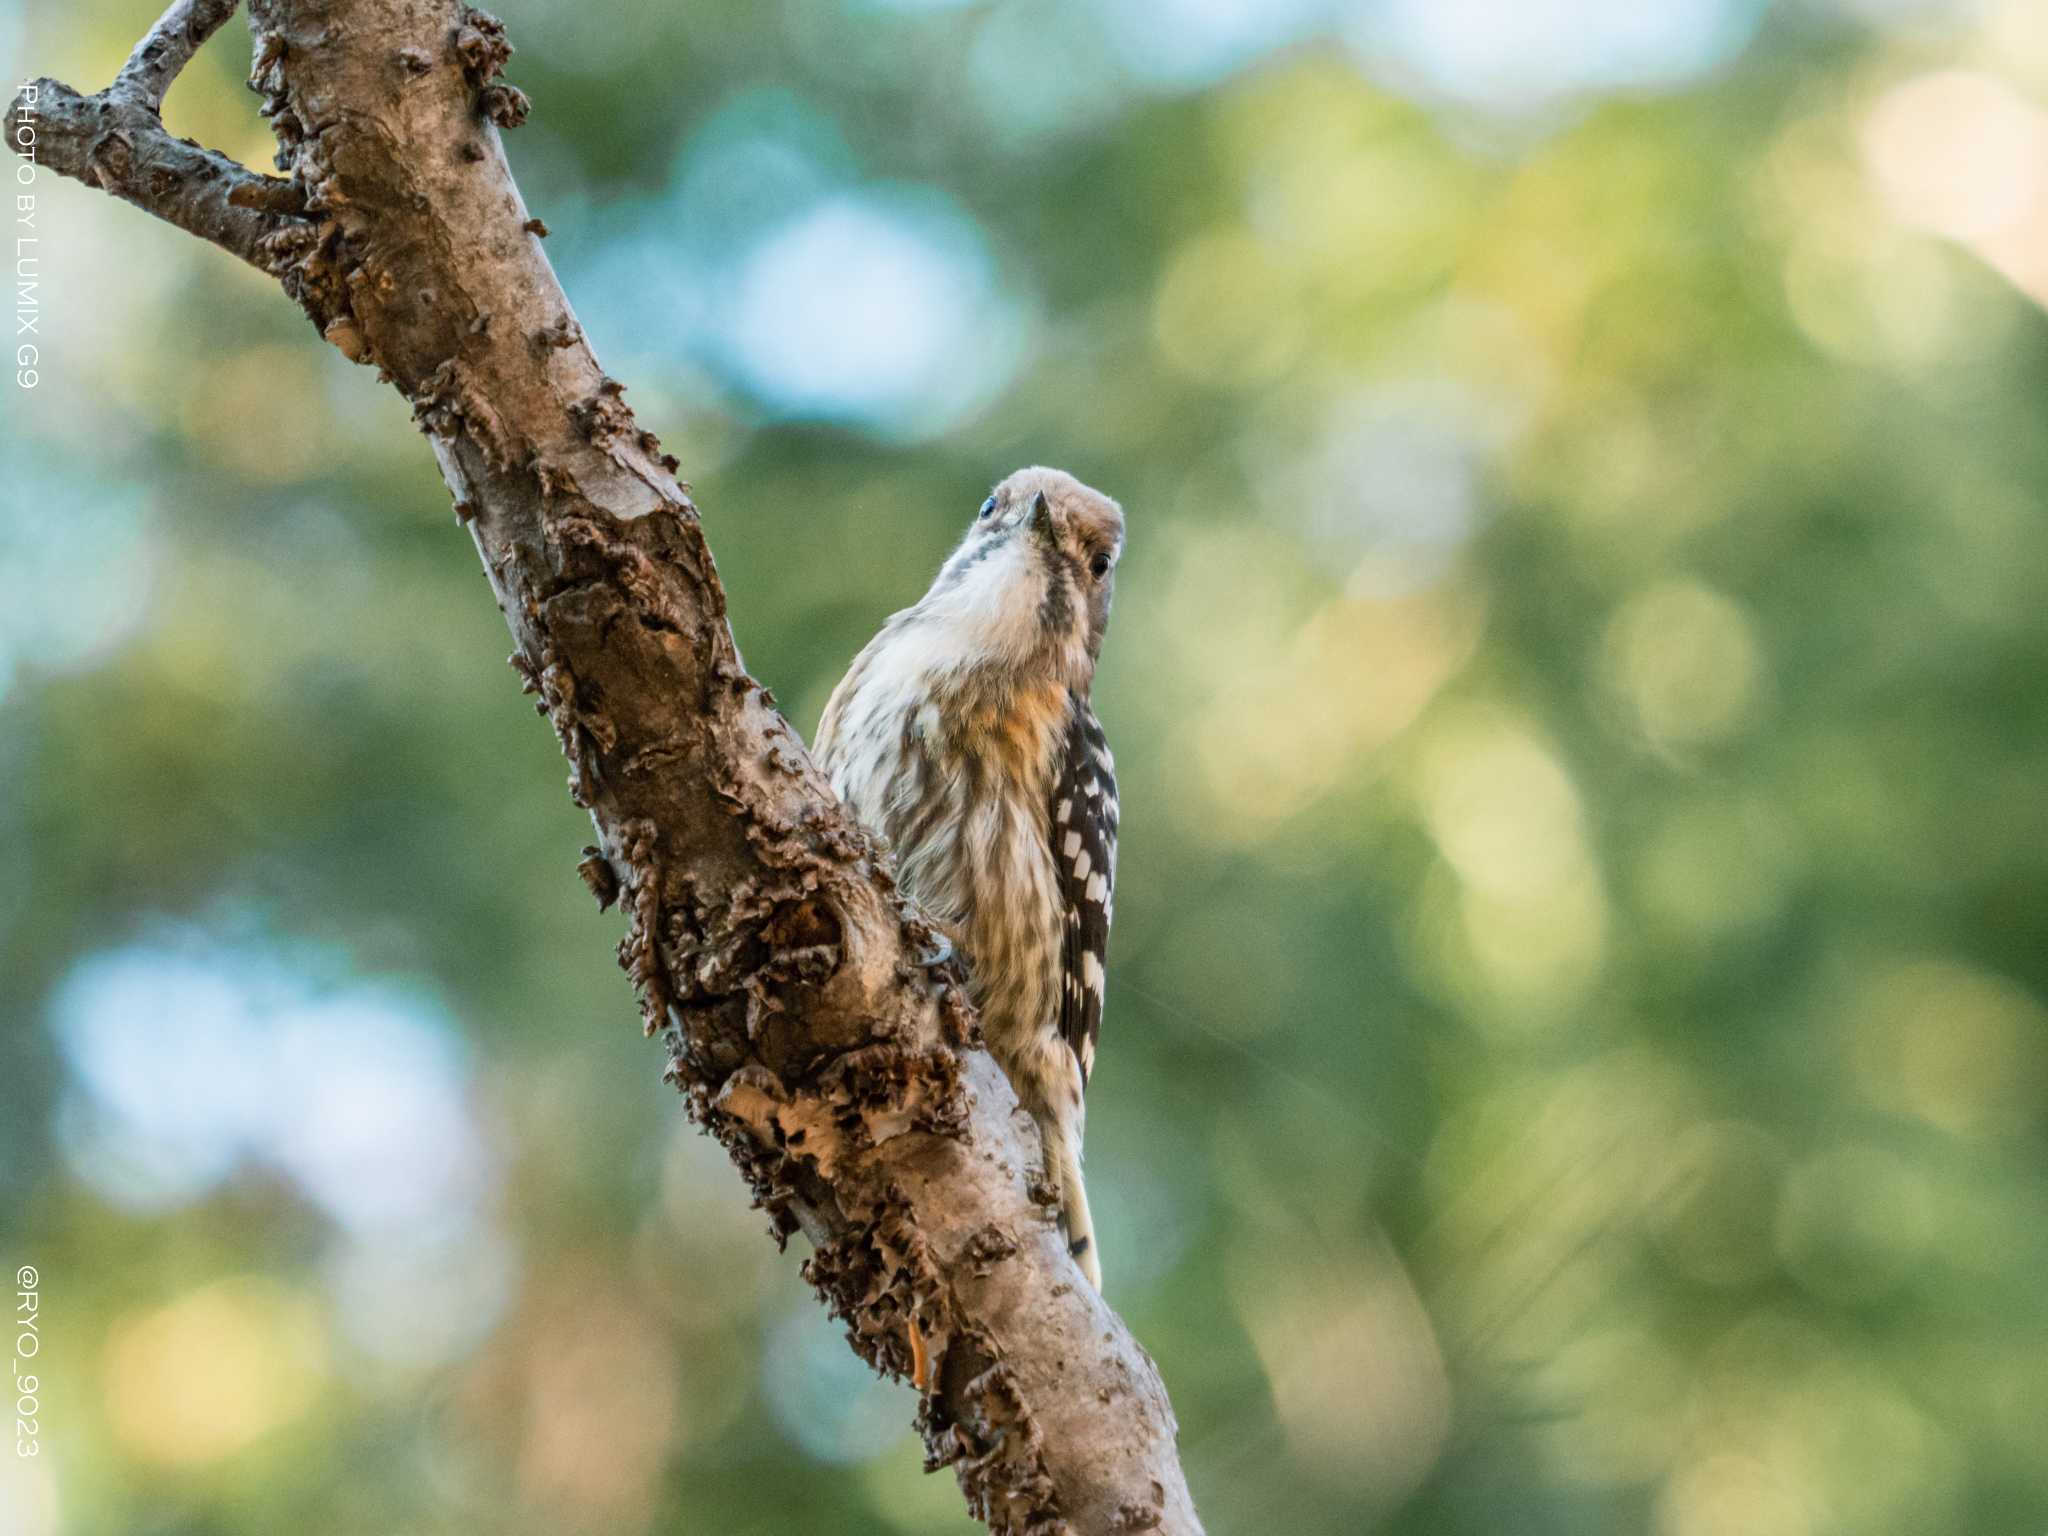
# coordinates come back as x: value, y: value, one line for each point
x: 116, y: 140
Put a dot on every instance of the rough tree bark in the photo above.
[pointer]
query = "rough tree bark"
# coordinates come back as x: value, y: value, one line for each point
x: 810, y: 1018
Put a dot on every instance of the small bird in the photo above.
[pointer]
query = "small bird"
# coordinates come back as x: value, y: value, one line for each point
x: 963, y: 735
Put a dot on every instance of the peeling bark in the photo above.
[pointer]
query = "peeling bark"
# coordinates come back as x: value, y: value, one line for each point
x: 806, y: 1019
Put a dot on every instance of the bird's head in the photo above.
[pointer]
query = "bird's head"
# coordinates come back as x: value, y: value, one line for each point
x: 1034, y: 575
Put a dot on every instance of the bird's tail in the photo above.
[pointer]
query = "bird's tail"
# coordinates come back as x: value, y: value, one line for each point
x: 1074, y: 1217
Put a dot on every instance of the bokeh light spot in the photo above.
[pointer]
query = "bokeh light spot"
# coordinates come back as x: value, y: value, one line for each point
x: 1186, y: 43
x: 1961, y: 1049
x: 1303, y: 712
x: 212, y: 1054
x: 1685, y: 660
x: 213, y: 1372
x: 1524, y: 933
x: 1506, y: 58
x: 1500, y: 806
x: 878, y: 308
x: 1958, y: 152
x: 1731, y: 1496
x: 600, y: 1387
x: 1356, y: 1373
x: 1965, y: 155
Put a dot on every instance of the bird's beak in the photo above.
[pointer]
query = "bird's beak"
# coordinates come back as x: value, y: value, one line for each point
x: 1041, y: 523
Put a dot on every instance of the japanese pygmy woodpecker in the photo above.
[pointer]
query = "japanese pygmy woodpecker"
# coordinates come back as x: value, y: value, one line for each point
x: 963, y: 734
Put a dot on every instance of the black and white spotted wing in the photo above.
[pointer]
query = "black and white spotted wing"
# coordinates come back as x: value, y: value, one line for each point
x: 1084, y: 818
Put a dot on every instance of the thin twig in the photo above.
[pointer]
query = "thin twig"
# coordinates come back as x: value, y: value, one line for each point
x: 167, y: 49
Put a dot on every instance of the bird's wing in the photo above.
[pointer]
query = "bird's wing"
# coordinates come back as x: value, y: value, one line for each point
x: 1084, y: 820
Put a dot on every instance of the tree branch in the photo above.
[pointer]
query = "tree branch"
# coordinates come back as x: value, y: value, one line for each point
x: 116, y: 141
x: 167, y: 49
x: 804, y: 1021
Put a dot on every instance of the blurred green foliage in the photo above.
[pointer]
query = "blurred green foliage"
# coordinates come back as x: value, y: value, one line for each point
x: 1576, y: 1059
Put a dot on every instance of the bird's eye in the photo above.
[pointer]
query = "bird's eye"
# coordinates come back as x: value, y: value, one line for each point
x: 988, y: 509
x: 1099, y: 566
